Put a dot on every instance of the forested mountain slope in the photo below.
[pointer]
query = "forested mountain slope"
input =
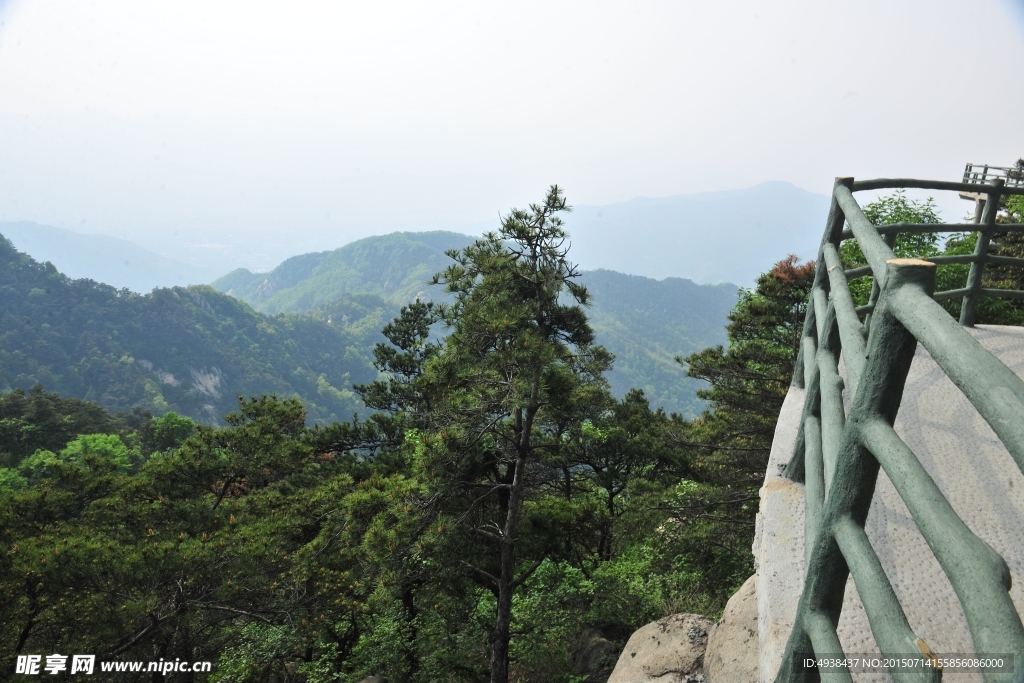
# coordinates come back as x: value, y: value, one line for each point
x: 396, y: 267
x: 191, y: 350
x: 646, y: 323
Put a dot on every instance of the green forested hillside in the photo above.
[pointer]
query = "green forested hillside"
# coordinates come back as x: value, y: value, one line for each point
x: 396, y: 267
x: 646, y: 323
x: 191, y: 350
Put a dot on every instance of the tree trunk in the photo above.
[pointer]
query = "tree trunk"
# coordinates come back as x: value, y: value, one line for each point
x: 409, y: 609
x: 503, y: 623
x: 502, y: 632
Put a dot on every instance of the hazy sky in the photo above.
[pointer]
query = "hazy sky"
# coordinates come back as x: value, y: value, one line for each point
x: 306, y: 125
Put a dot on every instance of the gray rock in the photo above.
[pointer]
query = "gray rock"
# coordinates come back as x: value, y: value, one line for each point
x: 732, y: 655
x: 374, y: 679
x: 669, y: 650
x: 593, y: 655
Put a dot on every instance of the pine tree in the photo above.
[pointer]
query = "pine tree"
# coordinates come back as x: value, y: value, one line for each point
x: 519, y: 350
x: 728, y: 445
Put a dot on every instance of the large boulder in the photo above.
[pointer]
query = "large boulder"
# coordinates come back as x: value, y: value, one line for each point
x: 732, y: 654
x: 669, y: 650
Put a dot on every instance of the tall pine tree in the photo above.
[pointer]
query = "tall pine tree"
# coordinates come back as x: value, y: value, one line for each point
x: 519, y: 350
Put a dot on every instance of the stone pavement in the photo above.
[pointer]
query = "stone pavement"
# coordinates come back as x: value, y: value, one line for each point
x: 970, y: 466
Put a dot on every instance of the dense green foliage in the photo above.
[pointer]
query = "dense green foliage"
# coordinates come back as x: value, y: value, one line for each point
x: 260, y: 548
x: 896, y: 208
x: 646, y: 323
x: 40, y: 420
x: 498, y: 504
x: 729, y: 444
x: 191, y: 350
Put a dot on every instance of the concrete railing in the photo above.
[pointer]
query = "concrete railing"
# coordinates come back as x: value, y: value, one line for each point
x: 840, y: 448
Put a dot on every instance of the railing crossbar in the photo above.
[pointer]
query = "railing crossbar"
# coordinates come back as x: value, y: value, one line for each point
x: 994, y: 389
x: 861, y: 271
x: 1002, y: 260
x: 888, y: 621
x: 1004, y: 293
x: 851, y: 332
x: 978, y: 574
x: 899, y: 228
x: 999, y: 293
x: 896, y: 183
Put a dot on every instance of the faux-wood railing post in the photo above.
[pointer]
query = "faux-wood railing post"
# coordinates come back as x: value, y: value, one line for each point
x: 988, y: 220
x: 839, y: 544
x: 813, y: 321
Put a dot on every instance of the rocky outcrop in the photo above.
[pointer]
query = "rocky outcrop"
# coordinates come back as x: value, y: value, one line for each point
x: 732, y: 655
x: 669, y: 650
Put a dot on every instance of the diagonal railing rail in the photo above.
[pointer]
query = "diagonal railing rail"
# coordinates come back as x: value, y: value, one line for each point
x: 838, y: 455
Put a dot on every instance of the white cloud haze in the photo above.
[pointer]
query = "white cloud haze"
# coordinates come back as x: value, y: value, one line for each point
x: 299, y: 126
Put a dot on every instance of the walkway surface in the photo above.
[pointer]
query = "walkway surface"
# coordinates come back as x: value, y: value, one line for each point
x: 970, y: 466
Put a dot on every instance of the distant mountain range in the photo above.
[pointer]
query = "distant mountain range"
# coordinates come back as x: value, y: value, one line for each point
x: 707, y: 237
x: 646, y: 323
x: 116, y: 262
x: 347, y: 294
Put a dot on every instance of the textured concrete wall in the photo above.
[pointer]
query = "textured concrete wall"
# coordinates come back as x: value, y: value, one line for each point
x: 970, y: 466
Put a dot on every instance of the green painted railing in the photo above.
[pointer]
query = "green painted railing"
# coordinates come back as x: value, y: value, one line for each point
x: 838, y: 455
x: 983, y: 173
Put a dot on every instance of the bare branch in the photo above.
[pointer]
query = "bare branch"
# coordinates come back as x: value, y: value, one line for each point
x: 527, y: 574
x: 491, y: 578
x: 488, y: 535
